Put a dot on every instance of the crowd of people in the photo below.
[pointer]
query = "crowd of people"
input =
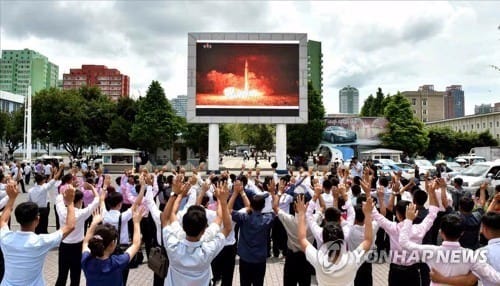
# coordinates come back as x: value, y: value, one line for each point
x: 331, y: 224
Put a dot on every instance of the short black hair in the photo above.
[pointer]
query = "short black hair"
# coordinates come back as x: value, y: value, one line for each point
x: 360, y: 216
x: 257, y: 202
x: 420, y: 197
x: 492, y: 221
x: 356, y: 180
x: 114, y: 199
x: 332, y: 214
x: 466, y: 204
x: 452, y: 226
x: 327, y: 185
x: 355, y: 190
x: 332, y: 232
x: 335, y: 181
x: 39, y: 178
x: 243, y: 179
x: 194, y: 221
x: 383, y: 181
x: 458, y: 181
x: 78, y: 196
x: 26, y: 213
x: 401, y: 208
x: 274, y: 165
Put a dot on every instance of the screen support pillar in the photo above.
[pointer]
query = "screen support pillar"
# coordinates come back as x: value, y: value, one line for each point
x: 281, y: 148
x: 213, y: 147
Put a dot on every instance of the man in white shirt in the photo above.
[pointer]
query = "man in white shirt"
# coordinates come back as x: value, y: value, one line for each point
x: 335, y: 265
x: 38, y: 194
x: 451, y: 230
x: 490, y: 228
x: 297, y: 269
x: 24, y: 251
x: 190, y: 257
x: 47, y: 169
x: 17, y: 174
x: 70, y: 250
x: 27, y: 173
x: 356, y: 168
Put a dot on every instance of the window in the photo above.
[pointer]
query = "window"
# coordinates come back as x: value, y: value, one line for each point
x: 491, y: 124
x: 424, y: 102
x: 424, y: 111
x: 484, y: 125
x: 413, y: 101
x: 472, y: 126
x: 477, y: 126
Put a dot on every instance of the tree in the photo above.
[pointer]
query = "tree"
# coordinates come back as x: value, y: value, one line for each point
x: 73, y: 118
x: 14, y: 130
x: 305, y: 138
x: 196, y: 137
x: 441, y: 141
x: 156, y: 125
x: 260, y: 136
x: 377, y: 107
x: 367, y: 106
x: 404, y: 131
x: 118, y: 133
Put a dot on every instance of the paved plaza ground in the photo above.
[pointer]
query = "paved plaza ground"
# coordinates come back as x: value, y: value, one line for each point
x: 143, y: 276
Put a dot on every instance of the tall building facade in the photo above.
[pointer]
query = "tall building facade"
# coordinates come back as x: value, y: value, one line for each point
x: 22, y: 68
x: 315, y: 65
x: 179, y: 104
x: 349, y: 100
x: 110, y: 81
x: 427, y: 104
x: 454, y: 102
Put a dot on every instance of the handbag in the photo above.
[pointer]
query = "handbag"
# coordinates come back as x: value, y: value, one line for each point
x: 121, y: 248
x: 158, y: 259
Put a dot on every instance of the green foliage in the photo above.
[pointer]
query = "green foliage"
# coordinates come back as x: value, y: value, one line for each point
x: 14, y: 129
x: 261, y: 136
x: 156, y: 125
x: 195, y: 136
x: 365, y: 110
x: 375, y: 106
x: 121, y: 125
x: 305, y: 138
x: 443, y: 140
x: 74, y: 118
x: 404, y: 131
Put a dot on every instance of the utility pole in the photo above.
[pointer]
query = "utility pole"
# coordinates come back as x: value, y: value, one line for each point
x: 27, y: 126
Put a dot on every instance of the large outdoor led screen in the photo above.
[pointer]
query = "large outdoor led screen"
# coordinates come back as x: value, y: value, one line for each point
x: 235, y: 80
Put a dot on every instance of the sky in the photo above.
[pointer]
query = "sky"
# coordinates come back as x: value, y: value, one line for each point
x: 397, y: 46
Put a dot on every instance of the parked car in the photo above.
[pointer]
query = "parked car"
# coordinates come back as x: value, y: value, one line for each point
x: 407, y: 168
x: 474, y: 175
x: 338, y: 134
x: 391, y: 169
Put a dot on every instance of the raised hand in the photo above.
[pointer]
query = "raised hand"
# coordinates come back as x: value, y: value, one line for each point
x: 300, y: 205
x: 368, y: 206
x: 96, y: 216
x: 271, y: 187
x: 11, y: 189
x: 177, y: 184
x: 411, y: 212
x: 138, y: 213
x: 69, y: 195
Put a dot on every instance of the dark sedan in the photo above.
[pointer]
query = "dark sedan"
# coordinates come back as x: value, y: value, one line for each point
x: 338, y: 134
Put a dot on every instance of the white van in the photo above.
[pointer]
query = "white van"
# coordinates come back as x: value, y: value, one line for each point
x: 474, y: 175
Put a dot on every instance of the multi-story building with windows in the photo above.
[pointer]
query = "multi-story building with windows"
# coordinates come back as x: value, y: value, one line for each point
x: 315, y: 65
x: 427, y: 104
x: 472, y: 123
x: 22, y: 68
x: 10, y: 102
x: 349, y: 100
x: 110, y: 81
x: 454, y: 105
x: 179, y: 104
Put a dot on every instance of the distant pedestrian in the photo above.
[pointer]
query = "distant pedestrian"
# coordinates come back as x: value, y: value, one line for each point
x: 27, y: 173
